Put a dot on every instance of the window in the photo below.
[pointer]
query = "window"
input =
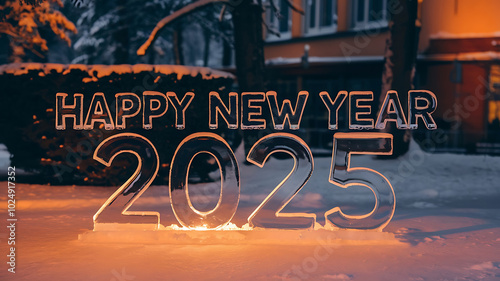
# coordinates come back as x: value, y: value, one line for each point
x: 369, y: 14
x: 321, y: 17
x: 282, y: 24
x: 494, y: 89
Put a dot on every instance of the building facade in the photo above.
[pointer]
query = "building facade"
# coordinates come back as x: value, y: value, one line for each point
x: 340, y: 45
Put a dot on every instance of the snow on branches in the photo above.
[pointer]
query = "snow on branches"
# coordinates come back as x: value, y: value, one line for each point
x: 20, y: 21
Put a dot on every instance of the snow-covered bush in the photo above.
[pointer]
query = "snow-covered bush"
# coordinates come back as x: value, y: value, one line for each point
x: 27, y: 115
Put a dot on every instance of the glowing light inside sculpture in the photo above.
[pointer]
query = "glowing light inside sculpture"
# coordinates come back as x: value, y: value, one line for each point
x: 245, y: 112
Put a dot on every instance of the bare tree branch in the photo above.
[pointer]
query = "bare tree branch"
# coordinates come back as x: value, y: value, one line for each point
x: 222, y: 11
x: 174, y: 16
x: 295, y: 8
x: 208, y: 28
x: 7, y: 28
x: 275, y: 9
x: 272, y: 31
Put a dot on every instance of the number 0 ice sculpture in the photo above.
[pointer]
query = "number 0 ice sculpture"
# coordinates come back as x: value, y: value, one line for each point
x: 187, y: 215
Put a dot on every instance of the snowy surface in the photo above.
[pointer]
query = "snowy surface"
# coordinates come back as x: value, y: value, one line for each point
x: 99, y: 71
x: 4, y: 158
x: 446, y: 225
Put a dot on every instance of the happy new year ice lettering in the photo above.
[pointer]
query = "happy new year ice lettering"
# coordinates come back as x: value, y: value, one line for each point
x: 245, y: 111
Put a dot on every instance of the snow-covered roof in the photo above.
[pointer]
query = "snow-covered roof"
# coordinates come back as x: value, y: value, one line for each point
x: 285, y: 61
x: 447, y: 35
x: 466, y: 56
x: 99, y: 71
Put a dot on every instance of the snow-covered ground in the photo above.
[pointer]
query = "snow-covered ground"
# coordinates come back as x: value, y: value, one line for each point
x: 4, y: 158
x: 446, y: 227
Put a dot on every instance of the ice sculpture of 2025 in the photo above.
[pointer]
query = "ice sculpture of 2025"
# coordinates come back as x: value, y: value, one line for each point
x: 421, y: 104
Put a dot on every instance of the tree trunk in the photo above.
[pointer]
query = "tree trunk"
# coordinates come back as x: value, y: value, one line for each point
x: 121, y: 36
x: 249, y: 46
x: 152, y: 57
x: 177, y: 38
x: 206, y: 49
x: 226, y: 53
x: 399, y: 66
x: 249, y: 54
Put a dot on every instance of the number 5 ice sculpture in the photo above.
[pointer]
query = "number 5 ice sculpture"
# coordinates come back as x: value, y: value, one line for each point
x: 342, y: 175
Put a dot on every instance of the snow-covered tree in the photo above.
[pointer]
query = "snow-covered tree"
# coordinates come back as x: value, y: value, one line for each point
x: 110, y: 31
x: 21, y: 21
x: 247, y: 24
x: 247, y: 21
